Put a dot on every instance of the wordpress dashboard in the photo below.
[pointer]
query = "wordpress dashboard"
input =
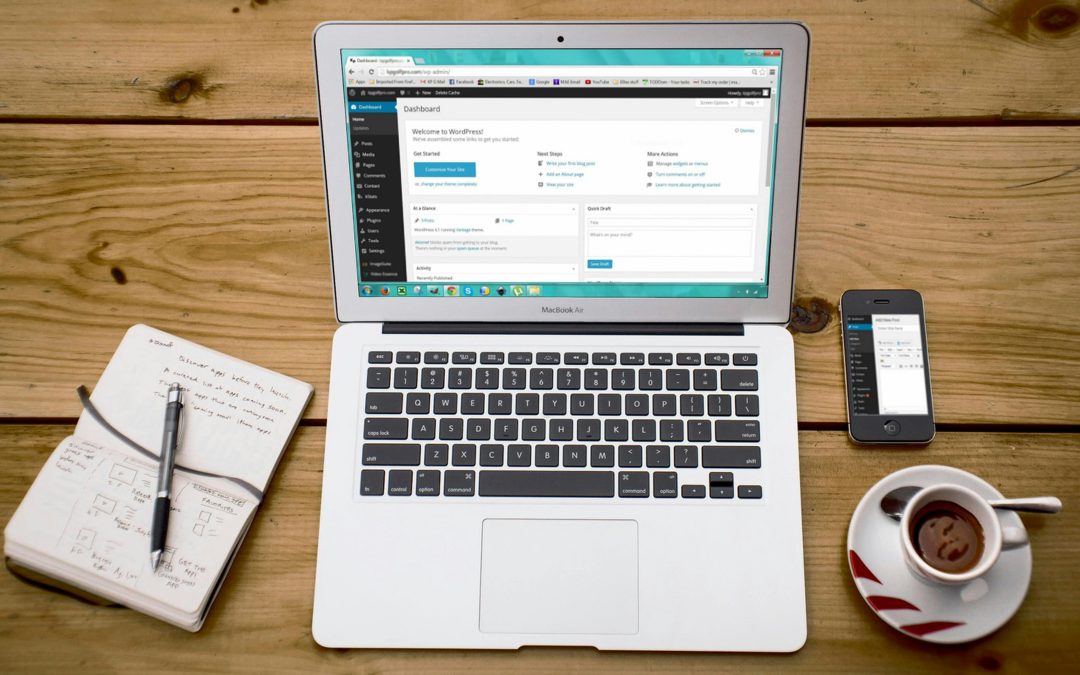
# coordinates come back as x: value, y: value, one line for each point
x: 563, y: 178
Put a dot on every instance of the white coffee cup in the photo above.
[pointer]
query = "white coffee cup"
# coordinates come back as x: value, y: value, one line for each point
x: 995, y: 536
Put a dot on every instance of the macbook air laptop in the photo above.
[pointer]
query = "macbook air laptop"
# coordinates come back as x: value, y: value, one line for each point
x: 562, y: 398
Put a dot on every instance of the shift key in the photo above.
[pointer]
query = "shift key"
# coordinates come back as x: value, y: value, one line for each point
x: 376, y: 428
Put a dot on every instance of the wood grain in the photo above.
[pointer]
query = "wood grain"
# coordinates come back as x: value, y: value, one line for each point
x: 261, y: 622
x: 218, y: 234
x: 251, y: 59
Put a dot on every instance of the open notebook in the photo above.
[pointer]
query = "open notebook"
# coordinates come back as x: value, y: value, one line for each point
x: 86, y: 519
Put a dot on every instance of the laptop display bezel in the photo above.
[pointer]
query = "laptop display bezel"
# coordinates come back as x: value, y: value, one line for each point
x: 331, y: 38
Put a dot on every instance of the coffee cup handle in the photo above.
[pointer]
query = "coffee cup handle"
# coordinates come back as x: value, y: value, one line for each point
x: 1013, y: 537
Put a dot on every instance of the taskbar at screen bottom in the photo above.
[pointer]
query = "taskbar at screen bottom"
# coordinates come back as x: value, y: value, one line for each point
x: 415, y: 289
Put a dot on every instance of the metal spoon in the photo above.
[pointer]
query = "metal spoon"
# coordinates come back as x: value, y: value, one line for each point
x: 894, y: 502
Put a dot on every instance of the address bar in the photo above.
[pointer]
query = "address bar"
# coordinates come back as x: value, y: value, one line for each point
x: 593, y: 71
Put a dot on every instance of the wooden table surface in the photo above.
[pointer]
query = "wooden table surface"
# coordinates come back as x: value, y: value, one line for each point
x: 159, y: 163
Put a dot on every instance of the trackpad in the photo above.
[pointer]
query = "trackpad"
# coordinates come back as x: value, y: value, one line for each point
x: 559, y: 576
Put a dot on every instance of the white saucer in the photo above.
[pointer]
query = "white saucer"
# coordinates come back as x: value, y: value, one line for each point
x: 912, y: 605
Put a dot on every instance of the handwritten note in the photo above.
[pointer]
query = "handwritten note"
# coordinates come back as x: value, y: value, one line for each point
x: 90, y: 509
x: 237, y: 416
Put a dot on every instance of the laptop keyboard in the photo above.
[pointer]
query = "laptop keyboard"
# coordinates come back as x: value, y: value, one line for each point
x: 628, y: 425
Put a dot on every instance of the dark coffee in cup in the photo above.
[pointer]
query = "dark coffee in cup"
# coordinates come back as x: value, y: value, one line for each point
x: 947, y: 536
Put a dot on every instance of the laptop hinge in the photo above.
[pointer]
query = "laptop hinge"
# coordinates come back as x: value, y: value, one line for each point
x: 554, y: 328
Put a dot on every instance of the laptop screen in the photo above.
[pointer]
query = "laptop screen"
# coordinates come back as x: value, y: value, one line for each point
x: 562, y: 172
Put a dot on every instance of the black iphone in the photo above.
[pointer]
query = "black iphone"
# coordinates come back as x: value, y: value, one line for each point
x: 886, y: 367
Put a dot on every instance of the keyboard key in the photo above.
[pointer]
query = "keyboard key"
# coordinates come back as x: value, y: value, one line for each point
x: 380, y: 357
x: 460, y: 484
x: 514, y: 378
x: 437, y: 358
x: 548, y: 358
x: 495, y: 358
x: 603, y: 456
x: 574, y: 455
x: 746, y: 405
x: 423, y: 429
x: 588, y: 430
x: 686, y: 456
x: 433, y: 378
x: 378, y: 378
x: 719, y: 405
x: 527, y: 404
x: 400, y: 484
x: 665, y: 485
x: 408, y: 357
x: 460, y: 378
x: 744, y: 359
x: 406, y: 378
x: 451, y: 428
x: 472, y: 404
x: 698, y: 431
x: 693, y: 491
x: 663, y: 405
x: 464, y: 454
x: 519, y: 455
x: 632, y: 359
x: 436, y: 454
x: 445, y: 404
x: 731, y: 457
x: 487, y: 378
x: 491, y: 454
x: 715, y: 359
x: 533, y: 429
x: 629, y: 456
x: 500, y: 404
x: 671, y: 431
x: 391, y: 454
x: 386, y: 429
x: 464, y: 357
x: 577, y: 359
x: 554, y: 404
x: 541, y: 378
x: 678, y: 379
x: 633, y: 483
x: 595, y: 378
x: 547, y: 455
x: 569, y: 378
x: 643, y: 430
x: 721, y: 485
x: 609, y: 404
x: 660, y: 359
x: 603, y: 359
x: 616, y: 430
x: 705, y: 379
x: 581, y: 404
x: 650, y: 379
x: 506, y: 429
x: 622, y: 378
x: 520, y: 358
x: 478, y: 429
x: 560, y: 430
x: 746, y: 491
x: 738, y: 380
x: 371, y: 482
x: 547, y: 483
x: 382, y: 403
x: 738, y: 430
x: 688, y: 359
x: 427, y: 483
x: 691, y: 405
x: 657, y: 457
x: 637, y: 404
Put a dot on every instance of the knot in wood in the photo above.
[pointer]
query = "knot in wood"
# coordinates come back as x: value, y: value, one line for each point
x: 1057, y: 19
x: 810, y: 315
x: 180, y: 89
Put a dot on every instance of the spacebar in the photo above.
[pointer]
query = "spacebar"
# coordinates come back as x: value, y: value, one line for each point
x: 547, y: 483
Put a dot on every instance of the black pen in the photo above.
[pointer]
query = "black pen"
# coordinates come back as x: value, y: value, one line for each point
x: 174, y: 403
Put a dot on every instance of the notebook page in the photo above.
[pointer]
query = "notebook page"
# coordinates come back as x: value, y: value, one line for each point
x: 237, y: 416
x: 90, y: 509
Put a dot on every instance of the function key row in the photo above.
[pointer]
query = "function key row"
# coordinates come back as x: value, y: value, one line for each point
x: 627, y: 484
x: 570, y: 358
x: 621, y: 379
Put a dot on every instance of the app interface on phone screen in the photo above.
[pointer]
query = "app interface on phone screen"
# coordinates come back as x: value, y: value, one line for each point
x: 886, y: 364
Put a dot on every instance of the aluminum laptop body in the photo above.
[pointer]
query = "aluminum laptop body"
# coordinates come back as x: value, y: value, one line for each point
x: 562, y: 398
